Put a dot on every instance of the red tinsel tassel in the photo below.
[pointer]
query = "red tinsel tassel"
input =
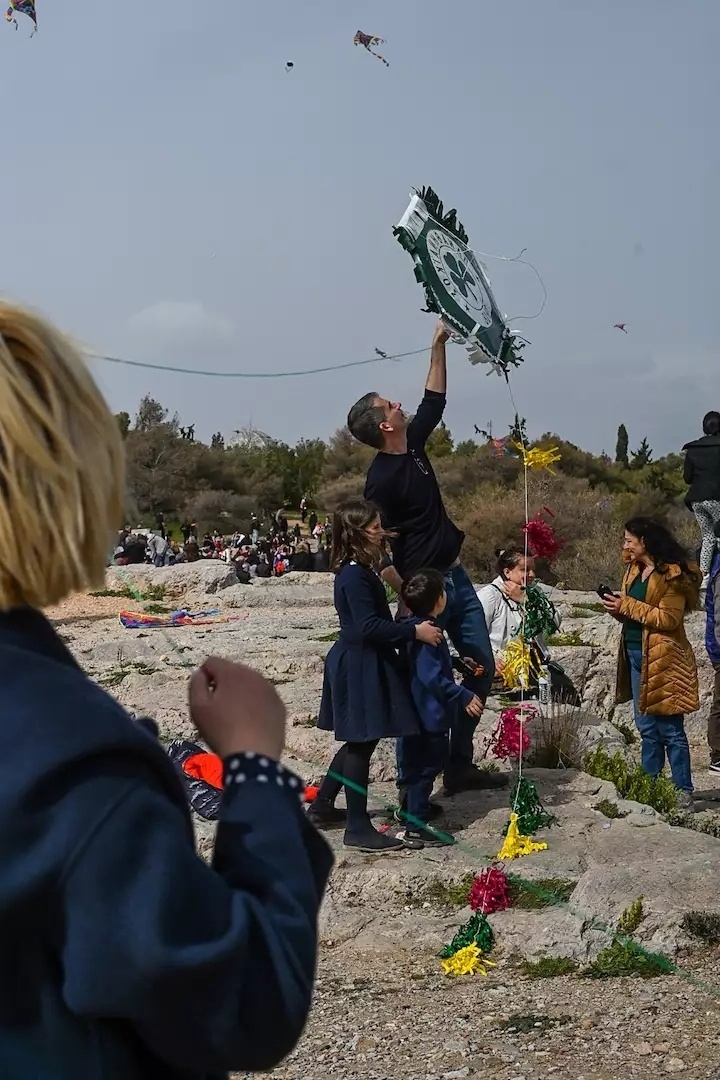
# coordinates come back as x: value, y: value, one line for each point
x: 542, y: 541
x: 489, y: 892
x: 510, y: 739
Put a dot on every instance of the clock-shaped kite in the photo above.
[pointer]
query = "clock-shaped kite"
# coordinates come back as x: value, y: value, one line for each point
x: 456, y: 285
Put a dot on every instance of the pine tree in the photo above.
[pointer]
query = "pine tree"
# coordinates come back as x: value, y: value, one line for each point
x: 642, y: 456
x: 621, y: 448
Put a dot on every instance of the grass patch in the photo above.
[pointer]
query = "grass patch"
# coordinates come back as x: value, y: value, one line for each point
x: 595, y: 608
x: 157, y: 609
x: 440, y: 893
x: 550, y: 967
x: 703, y: 926
x: 629, y: 736
x: 709, y: 825
x: 557, y: 739
x: 118, y: 674
x: 543, y: 893
x: 578, y: 613
x: 152, y: 592
x: 631, y: 782
x: 623, y: 959
x: 609, y: 809
x: 571, y: 638
x: 332, y: 636
x: 524, y: 1023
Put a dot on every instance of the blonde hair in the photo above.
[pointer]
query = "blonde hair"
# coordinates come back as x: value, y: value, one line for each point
x: 62, y: 468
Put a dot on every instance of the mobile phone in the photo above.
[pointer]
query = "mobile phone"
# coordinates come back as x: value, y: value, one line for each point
x: 604, y: 590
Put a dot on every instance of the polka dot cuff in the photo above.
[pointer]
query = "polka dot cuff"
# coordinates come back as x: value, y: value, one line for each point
x: 241, y: 768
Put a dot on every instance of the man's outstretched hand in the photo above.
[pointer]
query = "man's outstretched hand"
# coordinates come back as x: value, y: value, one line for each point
x: 442, y: 334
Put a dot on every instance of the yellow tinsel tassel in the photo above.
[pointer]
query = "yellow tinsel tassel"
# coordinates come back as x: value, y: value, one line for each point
x: 519, y: 663
x: 467, y: 962
x: 537, y: 458
x: 515, y: 844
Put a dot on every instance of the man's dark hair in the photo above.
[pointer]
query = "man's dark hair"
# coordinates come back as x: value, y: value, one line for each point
x: 364, y: 420
x: 711, y: 423
x: 422, y: 590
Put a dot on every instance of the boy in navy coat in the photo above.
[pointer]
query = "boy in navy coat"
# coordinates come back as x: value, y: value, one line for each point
x: 437, y: 697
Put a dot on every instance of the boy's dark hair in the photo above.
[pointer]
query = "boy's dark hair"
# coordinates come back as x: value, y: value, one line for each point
x: 422, y: 590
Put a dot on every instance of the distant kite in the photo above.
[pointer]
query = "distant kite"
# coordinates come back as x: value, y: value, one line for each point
x: 25, y: 7
x: 381, y: 354
x: 289, y: 66
x: 620, y: 326
x: 367, y: 41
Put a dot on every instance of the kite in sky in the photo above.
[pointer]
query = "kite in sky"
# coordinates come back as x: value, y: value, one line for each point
x: 367, y: 41
x: 382, y: 354
x: 620, y: 326
x: 289, y: 66
x: 25, y: 7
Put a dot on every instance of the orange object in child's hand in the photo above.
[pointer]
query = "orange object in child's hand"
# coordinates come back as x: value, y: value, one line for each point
x: 311, y: 793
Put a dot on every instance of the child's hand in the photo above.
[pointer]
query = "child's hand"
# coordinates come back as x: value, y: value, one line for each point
x: 475, y: 668
x: 235, y: 709
x: 428, y: 633
x: 475, y: 707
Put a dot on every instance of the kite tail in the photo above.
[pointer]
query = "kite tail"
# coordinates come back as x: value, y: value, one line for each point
x: 377, y: 56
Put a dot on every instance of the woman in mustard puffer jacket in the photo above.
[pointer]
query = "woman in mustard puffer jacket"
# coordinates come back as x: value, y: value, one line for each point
x: 656, y: 665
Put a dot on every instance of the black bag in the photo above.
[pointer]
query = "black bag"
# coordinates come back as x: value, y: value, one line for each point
x: 203, y: 797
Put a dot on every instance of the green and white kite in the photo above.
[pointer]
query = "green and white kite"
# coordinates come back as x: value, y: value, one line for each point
x: 456, y: 285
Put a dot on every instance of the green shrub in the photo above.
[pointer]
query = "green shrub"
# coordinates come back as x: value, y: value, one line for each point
x: 631, y: 782
x: 710, y: 824
x: 623, y: 958
x: 571, y: 637
x: 626, y: 731
x: 441, y: 893
x: 609, y: 809
x: 702, y: 925
x: 631, y: 917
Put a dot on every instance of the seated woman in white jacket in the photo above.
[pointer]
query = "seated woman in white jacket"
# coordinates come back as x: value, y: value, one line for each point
x: 503, y: 599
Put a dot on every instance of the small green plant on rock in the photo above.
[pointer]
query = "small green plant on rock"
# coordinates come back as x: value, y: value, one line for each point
x: 631, y: 782
x: 629, y: 736
x: 439, y: 893
x: 702, y: 823
x: 570, y: 638
x: 609, y: 809
x: 543, y: 893
x: 702, y: 925
x: 594, y: 608
x: 625, y: 957
x: 550, y: 967
x: 332, y: 636
x: 632, y: 917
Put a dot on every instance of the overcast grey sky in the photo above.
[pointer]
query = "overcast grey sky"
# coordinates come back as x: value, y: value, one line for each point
x: 172, y: 195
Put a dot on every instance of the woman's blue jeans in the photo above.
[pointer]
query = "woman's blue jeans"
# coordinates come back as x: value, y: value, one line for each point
x: 660, y: 734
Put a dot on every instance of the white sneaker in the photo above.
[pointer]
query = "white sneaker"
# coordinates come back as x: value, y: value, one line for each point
x: 685, y: 800
x: 705, y: 583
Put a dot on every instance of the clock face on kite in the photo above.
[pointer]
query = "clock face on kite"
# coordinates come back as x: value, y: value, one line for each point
x: 459, y: 276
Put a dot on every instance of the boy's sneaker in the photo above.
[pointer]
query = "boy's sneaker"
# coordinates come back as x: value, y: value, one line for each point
x: 435, y: 810
x: 685, y: 800
x: 714, y: 765
x: 373, y: 842
x: 428, y: 838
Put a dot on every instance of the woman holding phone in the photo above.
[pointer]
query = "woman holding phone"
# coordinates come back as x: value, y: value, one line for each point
x: 656, y: 665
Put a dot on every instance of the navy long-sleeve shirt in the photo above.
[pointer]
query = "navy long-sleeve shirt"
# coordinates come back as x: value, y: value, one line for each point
x: 405, y: 488
x: 435, y: 693
x: 123, y: 956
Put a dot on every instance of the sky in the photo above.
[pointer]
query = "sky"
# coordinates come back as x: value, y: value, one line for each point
x: 173, y: 196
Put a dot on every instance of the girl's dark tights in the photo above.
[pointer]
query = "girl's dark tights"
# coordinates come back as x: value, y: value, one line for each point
x: 352, y: 763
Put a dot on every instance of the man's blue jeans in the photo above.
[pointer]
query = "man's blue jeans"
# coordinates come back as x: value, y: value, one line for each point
x: 660, y: 735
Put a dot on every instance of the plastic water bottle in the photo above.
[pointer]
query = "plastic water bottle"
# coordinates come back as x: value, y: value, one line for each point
x: 544, y: 686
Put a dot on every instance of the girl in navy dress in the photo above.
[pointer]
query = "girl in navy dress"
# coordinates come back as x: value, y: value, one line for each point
x: 365, y: 695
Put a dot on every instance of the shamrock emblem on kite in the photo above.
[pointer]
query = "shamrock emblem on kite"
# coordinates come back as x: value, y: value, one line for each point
x: 367, y: 41
x: 25, y: 7
x: 461, y: 277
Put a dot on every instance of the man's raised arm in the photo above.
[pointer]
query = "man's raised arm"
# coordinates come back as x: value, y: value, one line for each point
x: 437, y: 376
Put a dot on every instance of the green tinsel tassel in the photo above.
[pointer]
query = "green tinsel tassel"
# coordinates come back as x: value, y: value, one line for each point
x: 531, y: 813
x: 476, y: 931
x: 540, y: 615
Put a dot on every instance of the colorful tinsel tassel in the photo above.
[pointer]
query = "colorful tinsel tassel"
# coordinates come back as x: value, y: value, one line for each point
x: 510, y: 739
x: 542, y: 541
x: 490, y: 892
x: 539, y: 458
x: 531, y: 813
x: 476, y: 931
x: 519, y: 664
x: 467, y: 961
x: 516, y: 845
x: 539, y: 614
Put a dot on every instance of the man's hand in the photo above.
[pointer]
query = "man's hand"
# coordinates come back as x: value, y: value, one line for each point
x: 393, y: 579
x: 442, y: 333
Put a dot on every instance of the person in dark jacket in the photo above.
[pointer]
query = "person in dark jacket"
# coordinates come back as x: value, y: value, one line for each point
x: 702, y: 473
x: 124, y: 955
x: 423, y: 756
x: 365, y: 694
x: 712, y: 644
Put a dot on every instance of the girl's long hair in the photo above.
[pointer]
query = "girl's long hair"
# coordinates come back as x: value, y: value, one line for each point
x: 349, y: 537
x: 663, y: 548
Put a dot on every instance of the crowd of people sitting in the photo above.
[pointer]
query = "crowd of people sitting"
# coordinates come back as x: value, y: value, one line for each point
x: 255, y: 552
